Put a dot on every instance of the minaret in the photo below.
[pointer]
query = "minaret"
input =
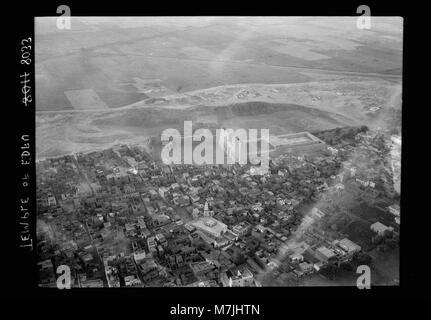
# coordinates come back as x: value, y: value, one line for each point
x: 206, y: 210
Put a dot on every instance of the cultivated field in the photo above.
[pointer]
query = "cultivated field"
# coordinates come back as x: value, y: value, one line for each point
x: 186, y: 54
x: 115, y: 80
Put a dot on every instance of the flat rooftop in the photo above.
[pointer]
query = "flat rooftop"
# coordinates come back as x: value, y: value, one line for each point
x: 294, y: 139
x: 210, y: 225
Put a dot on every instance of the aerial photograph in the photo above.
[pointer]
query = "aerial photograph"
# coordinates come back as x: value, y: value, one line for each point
x: 213, y: 151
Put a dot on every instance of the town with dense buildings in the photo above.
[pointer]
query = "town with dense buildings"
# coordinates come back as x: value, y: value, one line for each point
x: 119, y: 218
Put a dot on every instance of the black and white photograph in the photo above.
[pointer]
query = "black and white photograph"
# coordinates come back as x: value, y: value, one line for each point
x: 215, y: 163
x: 130, y: 191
